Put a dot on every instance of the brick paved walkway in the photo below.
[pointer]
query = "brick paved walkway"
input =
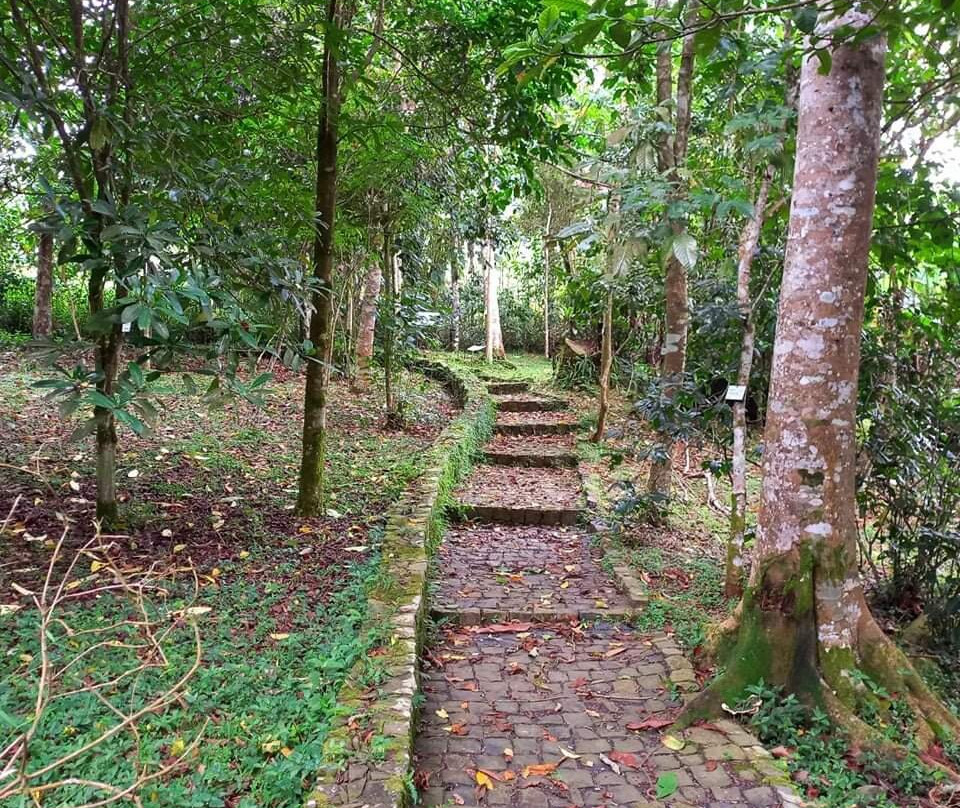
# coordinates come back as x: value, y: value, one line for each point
x: 539, y: 694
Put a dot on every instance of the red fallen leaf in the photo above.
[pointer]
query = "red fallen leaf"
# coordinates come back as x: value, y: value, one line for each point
x: 581, y: 682
x: 624, y: 758
x: 458, y: 729
x: 650, y: 723
x: 469, y: 686
x: 499, y: 628
x: 781, y: 752
x: 421, y: 778
x: 711, y: 765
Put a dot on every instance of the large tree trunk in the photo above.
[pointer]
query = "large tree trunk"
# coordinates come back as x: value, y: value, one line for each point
x: 804, y: 623
x: 312, y: 462
x: 671, y: 155
x: 43, y: 299
x: 749, y: 239
x: 494, y: 337
x: 368, y: 322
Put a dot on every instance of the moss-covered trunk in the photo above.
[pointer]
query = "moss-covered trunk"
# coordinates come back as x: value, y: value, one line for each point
x: 804, y: 622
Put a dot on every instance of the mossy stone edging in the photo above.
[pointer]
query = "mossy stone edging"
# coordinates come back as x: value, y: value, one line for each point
x: 369, y: 746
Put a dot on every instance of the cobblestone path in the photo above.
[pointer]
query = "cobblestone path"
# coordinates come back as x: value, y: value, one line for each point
x: 537, y: 691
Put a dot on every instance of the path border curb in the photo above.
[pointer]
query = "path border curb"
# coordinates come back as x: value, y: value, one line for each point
x: 377, y: 774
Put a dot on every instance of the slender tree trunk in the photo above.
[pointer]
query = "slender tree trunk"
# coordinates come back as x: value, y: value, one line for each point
x: 606, y: 361
x: 310, y: 501
x: 368, y: 322
x: 749, y: 239
x: 43, y: 300
x: 389, y: 335
x: 606, y: 340
x: 546, y: 282
x: 455, y: 308
x: 804, y: 623
x: 494, y: 336
x: 671, y: 155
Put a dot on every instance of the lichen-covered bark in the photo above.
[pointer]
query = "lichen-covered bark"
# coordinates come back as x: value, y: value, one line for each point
x: 804, y: 622
x: 368, y: 322
x: 749, y: 240
x: 494, y: 336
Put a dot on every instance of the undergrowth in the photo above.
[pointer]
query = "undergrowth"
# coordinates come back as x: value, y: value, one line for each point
x: 821, y: 759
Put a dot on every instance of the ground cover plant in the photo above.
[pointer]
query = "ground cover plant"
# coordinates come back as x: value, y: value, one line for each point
x: 277, y: 598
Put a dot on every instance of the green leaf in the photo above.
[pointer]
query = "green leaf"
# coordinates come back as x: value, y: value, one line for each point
x: 98, y: 399
x: 667, y: 784
x: 99, y: 134
x: 130, y: 313
x: 548, y: 18
x: 826, y: 61
x: 685, y: 250
x: 576, y: 6
x: 806, y: 18
x: 621, y: 33
x: 136, y: 374
x: 131, y: 421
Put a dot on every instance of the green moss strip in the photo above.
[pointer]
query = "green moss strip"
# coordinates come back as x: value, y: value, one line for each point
x: 367, y: 752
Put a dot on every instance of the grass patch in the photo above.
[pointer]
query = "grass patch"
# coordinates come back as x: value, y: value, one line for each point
x: 283, y: 599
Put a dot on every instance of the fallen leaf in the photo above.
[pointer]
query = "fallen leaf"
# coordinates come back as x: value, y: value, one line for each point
x: 613, y: 652
x: 499, y: 628
x: 484, y: 780
x: 614, y: 766
x: 443, y: 714
x: 279, y: 637
x: 539, y: 769
x: 458, y: 799
x: 625, y: 758
x: 568, y: 754
x: 781, y: 752
x: 673, y: 742
x: 711, y: 765
x: 650, y: 723
x: 667, y: 784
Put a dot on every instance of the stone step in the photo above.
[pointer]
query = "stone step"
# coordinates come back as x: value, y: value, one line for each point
x: 536, y: 428
x: 531, y: 405
x: 512, y: 515
x: 506, y: 388
x: 532, y: 459
x: 454, y: 615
